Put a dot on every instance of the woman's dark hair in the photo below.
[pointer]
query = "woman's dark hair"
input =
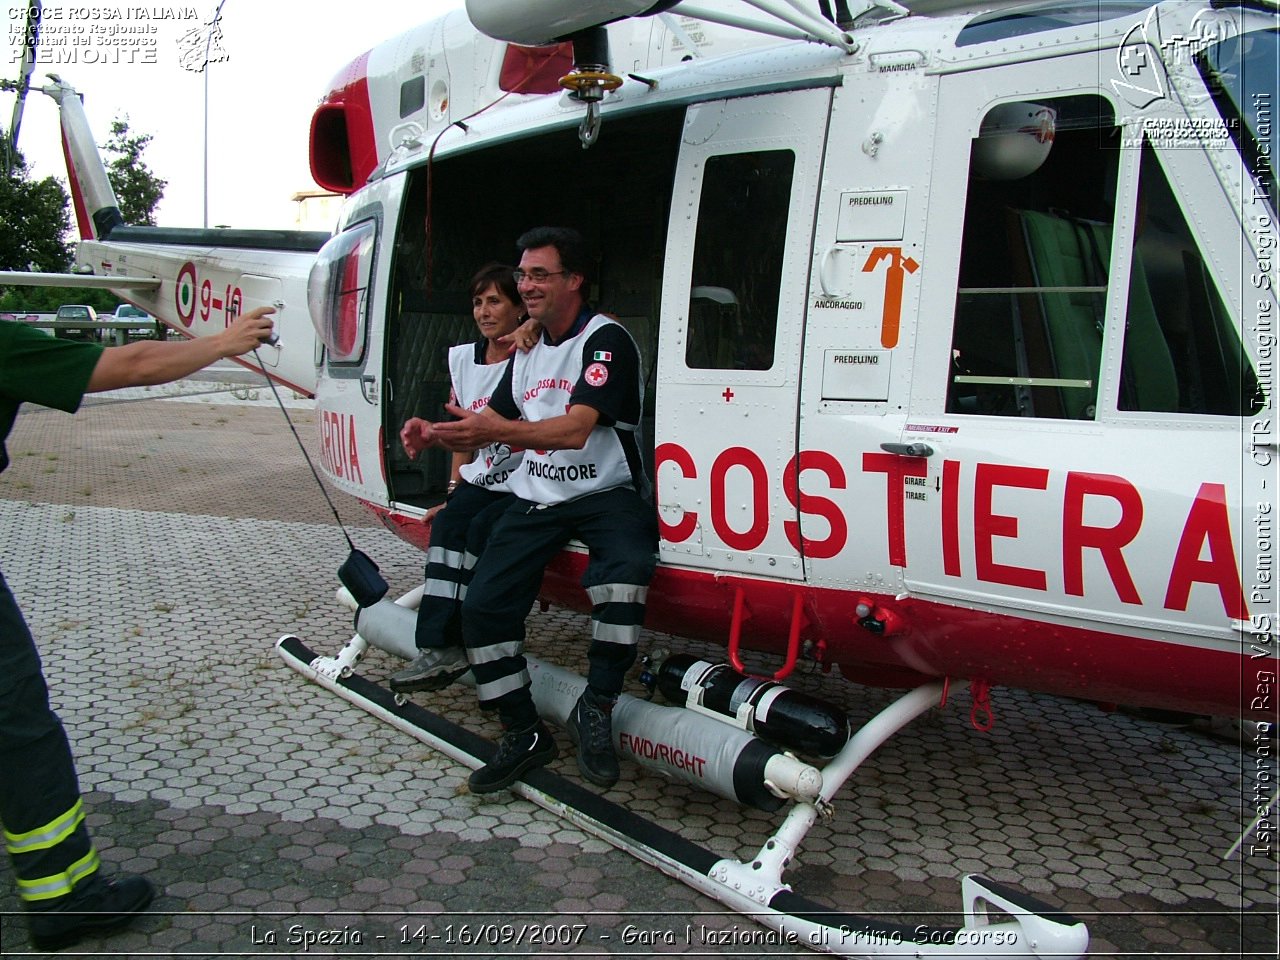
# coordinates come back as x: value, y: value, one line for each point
x: 496, y: 275
x: 574, y: 255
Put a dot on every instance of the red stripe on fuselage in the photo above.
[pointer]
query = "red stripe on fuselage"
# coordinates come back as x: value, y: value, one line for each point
x: 938, y: 640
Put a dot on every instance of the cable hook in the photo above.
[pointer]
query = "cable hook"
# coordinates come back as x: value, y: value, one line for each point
x: 589, y: 129
x: 589, y: 85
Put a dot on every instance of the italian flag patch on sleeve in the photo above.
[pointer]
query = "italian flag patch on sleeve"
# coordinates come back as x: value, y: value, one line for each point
x: 604, y: 355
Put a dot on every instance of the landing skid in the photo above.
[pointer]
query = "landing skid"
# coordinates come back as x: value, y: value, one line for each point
x: 998, y: 922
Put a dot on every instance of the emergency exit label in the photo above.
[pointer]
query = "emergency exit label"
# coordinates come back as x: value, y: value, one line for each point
x: 856, y: 374
x: 876, y: 215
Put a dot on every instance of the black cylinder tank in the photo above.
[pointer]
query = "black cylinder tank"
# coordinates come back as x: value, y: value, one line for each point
x: 774, y: 712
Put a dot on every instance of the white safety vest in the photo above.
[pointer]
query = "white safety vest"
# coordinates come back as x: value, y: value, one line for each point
x: 473, y: 385
x: 542, y: 381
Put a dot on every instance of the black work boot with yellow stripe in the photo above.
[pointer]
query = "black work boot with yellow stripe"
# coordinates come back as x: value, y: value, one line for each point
x: 98, y: 905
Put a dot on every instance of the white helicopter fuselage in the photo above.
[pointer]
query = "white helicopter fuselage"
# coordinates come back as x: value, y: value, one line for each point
x: 958, y: 344
x: 958, y: 336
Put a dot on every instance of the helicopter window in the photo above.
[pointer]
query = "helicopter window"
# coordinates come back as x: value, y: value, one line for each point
x: 1034, y: 261
x: 1181, y: 352
x: 737, y: 261
x: 413, y: 94
x: 1243, y: 75
x: 338, y: 292
x: 1037, y: 18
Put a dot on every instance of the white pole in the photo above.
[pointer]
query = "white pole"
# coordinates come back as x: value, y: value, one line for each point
x: 208, y: 42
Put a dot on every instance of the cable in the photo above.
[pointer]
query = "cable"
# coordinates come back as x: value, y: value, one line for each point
x: 431, y: 156
x: 358, y: 573
x: 301, y: 446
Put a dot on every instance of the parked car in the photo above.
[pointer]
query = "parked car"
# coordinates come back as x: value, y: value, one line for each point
x: 71, y: 313
x: 145, y: 325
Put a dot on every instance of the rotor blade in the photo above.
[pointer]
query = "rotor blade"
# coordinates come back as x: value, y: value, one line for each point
x: 29, y: 40
x: 30, y: 278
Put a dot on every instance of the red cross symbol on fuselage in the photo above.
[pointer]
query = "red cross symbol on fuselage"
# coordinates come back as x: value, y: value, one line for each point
x: 1135, y: 59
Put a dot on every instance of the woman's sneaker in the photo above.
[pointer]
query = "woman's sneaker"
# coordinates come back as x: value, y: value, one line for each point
x: 433, y: 669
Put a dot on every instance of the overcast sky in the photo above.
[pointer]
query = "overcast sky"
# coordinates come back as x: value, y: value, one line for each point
x: 280, y: 57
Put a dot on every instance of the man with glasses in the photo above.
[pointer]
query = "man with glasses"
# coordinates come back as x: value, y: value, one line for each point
x: 573, y: 403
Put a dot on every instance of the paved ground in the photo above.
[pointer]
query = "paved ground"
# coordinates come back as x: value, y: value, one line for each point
x: 160, y: 547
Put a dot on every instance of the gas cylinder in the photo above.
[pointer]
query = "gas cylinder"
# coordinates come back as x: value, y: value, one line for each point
x: 768, y: 709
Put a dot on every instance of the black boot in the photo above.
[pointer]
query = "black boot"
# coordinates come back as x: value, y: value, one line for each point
x: 98, y: 906
x: 590, y: 727
x: 518, y: 751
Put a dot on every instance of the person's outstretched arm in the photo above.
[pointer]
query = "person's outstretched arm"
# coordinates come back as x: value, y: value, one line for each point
x: 149, y: 362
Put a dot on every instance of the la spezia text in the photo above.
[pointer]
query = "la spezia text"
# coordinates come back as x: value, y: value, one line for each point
x: 303, y: 937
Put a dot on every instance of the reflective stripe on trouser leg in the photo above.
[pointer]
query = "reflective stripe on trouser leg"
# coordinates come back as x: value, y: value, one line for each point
x: 502, y: 685
x: 46, y: 835
x: 617, y: 612
x: 38, y: 890
x: 442, y: 596
x: 39, y: 856
x: 493, y: 652
x: 450, y: 560
x: 40, y: 807
x: 443, y: 573
x: 503, y: 588
x: 620, y: 530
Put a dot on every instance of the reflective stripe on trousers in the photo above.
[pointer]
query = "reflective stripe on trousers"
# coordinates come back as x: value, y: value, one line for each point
x: 40, y: 807
x: 458, y: 534
x: 620, y: 531
x: 61, y: 884
x: 617, y: 612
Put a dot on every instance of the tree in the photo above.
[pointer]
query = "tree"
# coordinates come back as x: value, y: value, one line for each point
x: 23, y: 300
x: 33, y: 220
x: 138, y: 190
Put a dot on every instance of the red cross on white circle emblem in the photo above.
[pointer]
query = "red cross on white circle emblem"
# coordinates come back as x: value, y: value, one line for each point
x: 597, y: 374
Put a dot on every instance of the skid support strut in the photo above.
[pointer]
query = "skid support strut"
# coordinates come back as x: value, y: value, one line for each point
x: 345, y: 662
x: 761, y: 878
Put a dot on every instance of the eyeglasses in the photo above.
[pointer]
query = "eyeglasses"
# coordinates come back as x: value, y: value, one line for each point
x: 536, y: 275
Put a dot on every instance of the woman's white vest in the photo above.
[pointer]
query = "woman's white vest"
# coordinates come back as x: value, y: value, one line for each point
x: 473, y: 385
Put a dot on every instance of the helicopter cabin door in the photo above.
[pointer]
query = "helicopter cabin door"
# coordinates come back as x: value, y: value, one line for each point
x: 1083, y: 391
x: 733, y: 304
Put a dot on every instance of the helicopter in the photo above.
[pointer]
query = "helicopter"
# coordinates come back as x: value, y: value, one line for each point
x: 958, y: 325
